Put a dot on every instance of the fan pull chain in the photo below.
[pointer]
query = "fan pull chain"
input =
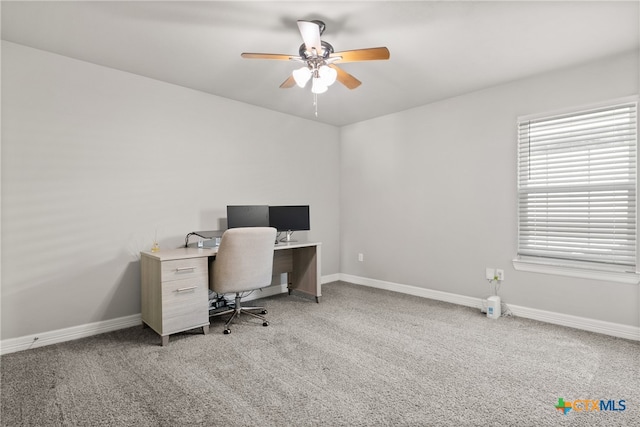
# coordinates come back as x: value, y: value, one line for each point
x: 315, y: 103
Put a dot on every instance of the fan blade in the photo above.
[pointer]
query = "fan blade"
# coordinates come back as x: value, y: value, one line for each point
x: 345, y: 78
x: 371, y: 54
x: 310, y: 32
x: 267, y: 56
x: 290, y: 82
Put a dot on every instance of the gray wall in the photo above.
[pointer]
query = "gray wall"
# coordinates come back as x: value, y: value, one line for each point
x: 96, y: 161
x: 429, y: 195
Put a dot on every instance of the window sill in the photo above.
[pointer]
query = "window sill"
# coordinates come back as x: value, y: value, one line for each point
x: 549, y: 267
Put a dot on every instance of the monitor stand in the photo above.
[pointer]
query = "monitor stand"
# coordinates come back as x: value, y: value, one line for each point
x: 288, y: 238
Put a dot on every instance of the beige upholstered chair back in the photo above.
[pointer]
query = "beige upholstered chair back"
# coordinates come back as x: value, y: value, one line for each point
x: 244, y: 261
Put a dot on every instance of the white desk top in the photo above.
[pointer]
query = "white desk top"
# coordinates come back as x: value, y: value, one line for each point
x: 184, y: 253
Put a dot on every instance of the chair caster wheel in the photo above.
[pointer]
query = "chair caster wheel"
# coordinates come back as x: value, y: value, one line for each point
x: 227, y: 331
x: 265, y: 324
x: 264, y: 312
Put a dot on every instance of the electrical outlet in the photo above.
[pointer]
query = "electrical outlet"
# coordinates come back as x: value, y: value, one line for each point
x: 490, y: 273
x: 500, y: 274
x: 360, y: 257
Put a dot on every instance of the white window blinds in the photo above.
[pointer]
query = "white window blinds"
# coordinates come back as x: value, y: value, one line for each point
x: 577, y: 186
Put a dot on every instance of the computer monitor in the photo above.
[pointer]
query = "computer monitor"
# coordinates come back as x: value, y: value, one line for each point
x: 289, y: 219
x: 247, y: 216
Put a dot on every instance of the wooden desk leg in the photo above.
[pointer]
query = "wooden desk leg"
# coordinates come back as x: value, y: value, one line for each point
x: 306, y: 274
x: 205, y: 329
x: 165, y: 340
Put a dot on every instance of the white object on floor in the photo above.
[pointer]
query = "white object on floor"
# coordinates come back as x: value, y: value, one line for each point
x: 493, y: 307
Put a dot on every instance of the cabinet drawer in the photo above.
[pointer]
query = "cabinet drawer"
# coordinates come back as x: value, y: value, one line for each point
x: 184, y: 304
x: 180, y: 269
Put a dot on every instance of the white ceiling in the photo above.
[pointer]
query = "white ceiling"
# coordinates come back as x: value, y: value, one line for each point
x: 438, y: 49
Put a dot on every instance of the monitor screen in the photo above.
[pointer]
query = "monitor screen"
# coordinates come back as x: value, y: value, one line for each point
x: 289, y: 218
x: 247, y: 216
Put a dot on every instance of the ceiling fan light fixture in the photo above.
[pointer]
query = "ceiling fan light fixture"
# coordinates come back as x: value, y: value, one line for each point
x: 302, y: 76
x: 317, y: 86
x: 319, y: 61
x: 327, y: 75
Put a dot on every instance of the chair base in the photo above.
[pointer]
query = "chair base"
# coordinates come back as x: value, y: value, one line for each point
x: 237, y: 310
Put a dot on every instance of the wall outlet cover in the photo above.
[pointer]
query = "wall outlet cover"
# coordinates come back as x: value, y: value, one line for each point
x: 490, y: 273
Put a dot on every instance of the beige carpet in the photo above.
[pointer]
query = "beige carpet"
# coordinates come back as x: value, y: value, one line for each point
x: 362, y: 357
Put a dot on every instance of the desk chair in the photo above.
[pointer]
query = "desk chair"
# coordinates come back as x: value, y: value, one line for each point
x: 244, y: 262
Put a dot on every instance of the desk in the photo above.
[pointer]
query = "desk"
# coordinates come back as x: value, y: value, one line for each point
x: 175, y: 283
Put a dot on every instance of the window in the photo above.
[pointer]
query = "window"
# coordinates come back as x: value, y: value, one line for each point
x: 577, y: 188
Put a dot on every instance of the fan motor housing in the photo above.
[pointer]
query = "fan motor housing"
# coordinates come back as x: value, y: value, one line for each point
x: 327, y: 50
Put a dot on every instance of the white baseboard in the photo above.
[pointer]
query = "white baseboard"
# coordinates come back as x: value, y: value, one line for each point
x: 414, y: 290
x: 330, y: 278
x: 592, y: 325
x: 13, y: 345
x: 68, y: 334
x: 607, y: 328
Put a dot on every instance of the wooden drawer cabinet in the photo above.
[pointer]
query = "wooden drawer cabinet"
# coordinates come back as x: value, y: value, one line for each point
x: 175, y: 283
x: 175, y: 292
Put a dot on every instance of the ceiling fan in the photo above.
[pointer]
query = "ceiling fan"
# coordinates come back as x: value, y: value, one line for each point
x: 319, y: 60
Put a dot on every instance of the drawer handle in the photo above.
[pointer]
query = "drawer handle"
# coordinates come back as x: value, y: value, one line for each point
x: 190, y: 288
x: 179, y: 269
